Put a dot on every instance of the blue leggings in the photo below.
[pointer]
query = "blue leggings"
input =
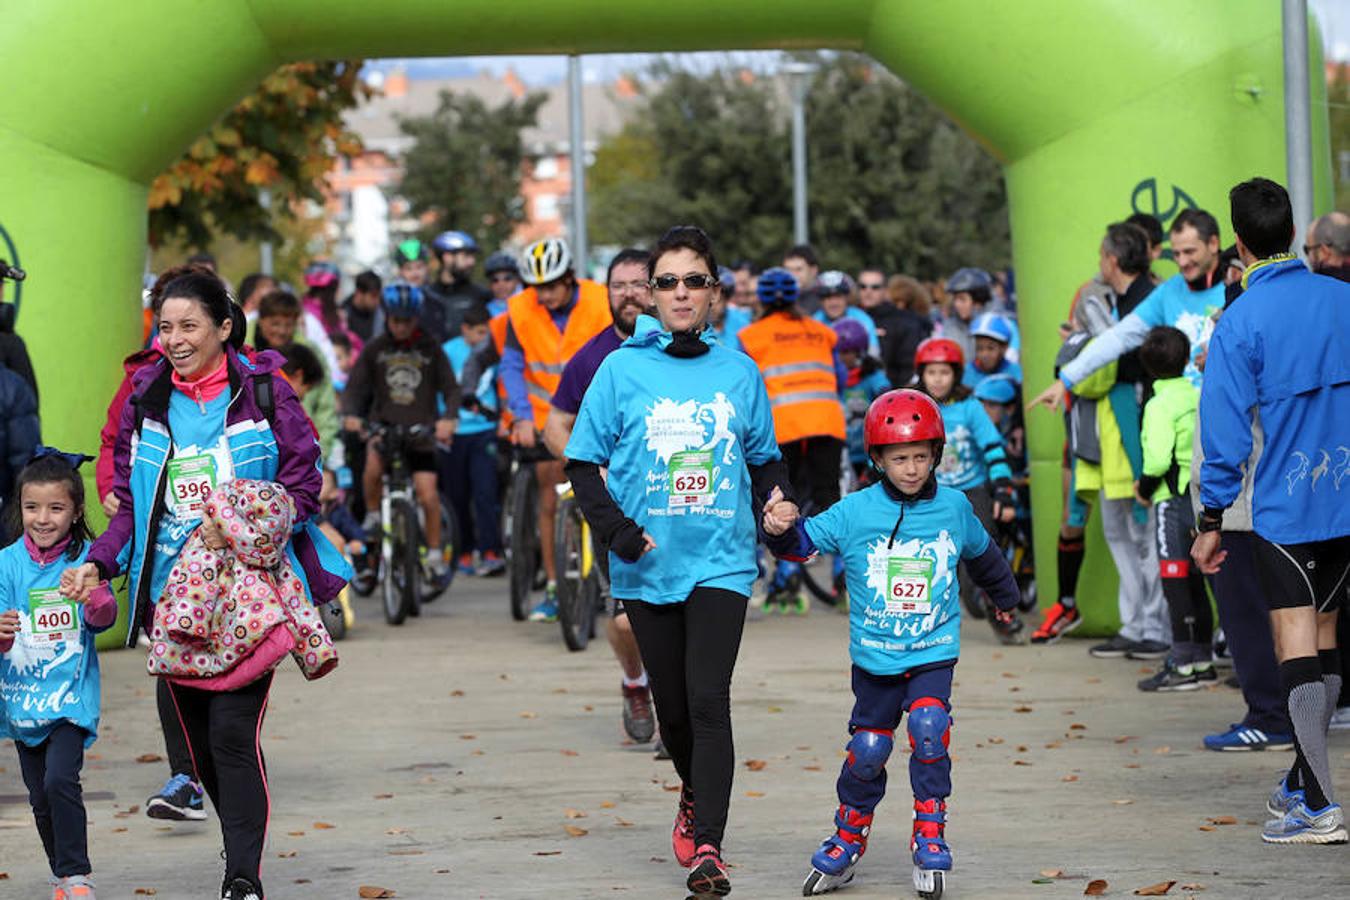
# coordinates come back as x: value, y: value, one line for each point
x: 879, y: 702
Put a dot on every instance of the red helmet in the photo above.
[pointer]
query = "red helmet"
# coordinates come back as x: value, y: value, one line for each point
x: 902, y: 416
x: 939, y: 350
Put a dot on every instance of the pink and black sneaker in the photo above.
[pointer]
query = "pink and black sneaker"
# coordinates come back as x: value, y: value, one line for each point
x: 682, y: 835
x: 707, y: 875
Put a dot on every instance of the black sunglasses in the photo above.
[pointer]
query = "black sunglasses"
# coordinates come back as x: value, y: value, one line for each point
x: 693, y: 282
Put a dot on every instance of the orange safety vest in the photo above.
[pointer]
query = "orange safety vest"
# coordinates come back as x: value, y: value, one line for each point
x: 546, y: 350
x: 796, y: 358
x: 497, y: 328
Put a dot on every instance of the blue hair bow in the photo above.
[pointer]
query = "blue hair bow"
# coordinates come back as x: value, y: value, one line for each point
x: 74, y: 460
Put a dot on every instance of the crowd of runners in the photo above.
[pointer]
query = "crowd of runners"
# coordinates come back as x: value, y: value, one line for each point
x: 781, y: 432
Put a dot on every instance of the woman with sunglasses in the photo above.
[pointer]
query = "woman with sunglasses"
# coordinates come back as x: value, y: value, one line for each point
x: 684, y: 427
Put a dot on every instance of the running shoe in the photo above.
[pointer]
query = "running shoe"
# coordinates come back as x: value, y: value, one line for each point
x: 682, y: 835
x: 241, y: 889
x: 1282, y: 799
x: 465, y: 564
x: 1301, y: 825
x: 1172, y: 677
x: 1148, y: 650
x: 1011, y: 632
x: 491, y: 564
x: 638, y: 720
x: 708, y: 875
x: 659, y: 751
x: 1059, y: 620
x: 74, y: 887
x: 1239, y: 738
x: 1115, y: 648
x: 547, y: 609
x: 179, y: 800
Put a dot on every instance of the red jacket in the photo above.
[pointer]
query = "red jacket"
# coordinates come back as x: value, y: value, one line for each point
x: 107, y: 438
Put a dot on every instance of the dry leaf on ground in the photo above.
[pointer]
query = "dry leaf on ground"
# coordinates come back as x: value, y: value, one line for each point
x: 1021, y: 709
x: 755, y: 765
x: 1194, y: 886
x: 548, y: 853
x: 574, y: 813
x: 146, y: 892
x: 149, y: 758
x: 288, y: 854
x: 1095, y: 888
x: 323, y: 826
x: 606, y: 805
x: 570, y: 753
x: 384, y: 796
x: 1155, y: 890
x: 1208, y: 828
x: 754, y: 793
x: 1222, y: 820
x: 529, y: 715
x: 576, y: 831
x: 1069, y: 778
x: 371, y: 892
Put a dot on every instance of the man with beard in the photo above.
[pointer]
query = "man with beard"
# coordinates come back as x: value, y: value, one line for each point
x: 454, y: 292
x: 629, y: 297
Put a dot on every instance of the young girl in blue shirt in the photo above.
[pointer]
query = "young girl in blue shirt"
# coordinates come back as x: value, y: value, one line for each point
x: 49, y: 685
x: 901, y: 539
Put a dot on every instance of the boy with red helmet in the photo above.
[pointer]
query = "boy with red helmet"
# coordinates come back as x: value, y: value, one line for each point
x: 901, y: 540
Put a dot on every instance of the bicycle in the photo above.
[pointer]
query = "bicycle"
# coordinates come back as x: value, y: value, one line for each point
x: 405, y: 579
x: 520, y: 533
x: 581, y: 581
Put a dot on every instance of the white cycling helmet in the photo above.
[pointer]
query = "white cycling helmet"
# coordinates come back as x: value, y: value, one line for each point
x: 545, y: 261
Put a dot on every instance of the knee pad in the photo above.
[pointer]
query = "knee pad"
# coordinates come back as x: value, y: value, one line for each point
x: 930, y: 729
x: 868, y: 751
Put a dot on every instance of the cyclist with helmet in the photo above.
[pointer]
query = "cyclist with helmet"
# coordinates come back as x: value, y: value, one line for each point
x: 993, y: 334
x: 796, y: 356
x: 403, y: 378
x: 410, y: 258
x: 969, y: 291
x: 904, y: 626
x: 454, y: 292
x: 547, y: 323
x: 838, y: 300
x: 503, y: 275
x: 973, y: 457
x: 865, y: 382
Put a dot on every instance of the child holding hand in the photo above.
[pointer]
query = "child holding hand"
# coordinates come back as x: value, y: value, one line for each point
x: 901, y: 540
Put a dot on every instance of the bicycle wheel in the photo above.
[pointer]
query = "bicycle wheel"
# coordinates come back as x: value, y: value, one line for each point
x: 524, y: 542
x: 401, y: 563
x: 576, y: 607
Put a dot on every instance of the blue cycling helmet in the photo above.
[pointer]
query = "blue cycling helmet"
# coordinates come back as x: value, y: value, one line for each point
x: 727, y: 278
x: 403, y: 299
x: 777, y: 288
x: 410, y: 250
x: 501, y: 261
x: 997, y: 389
x: 452, y: 242
x: 969, y: 280
x: 834, y: 282
x: 992, y: 325
x: 852, y: 336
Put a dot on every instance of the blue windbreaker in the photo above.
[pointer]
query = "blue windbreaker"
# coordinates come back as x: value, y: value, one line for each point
x: 1281, y: 347
x: 656, y: 420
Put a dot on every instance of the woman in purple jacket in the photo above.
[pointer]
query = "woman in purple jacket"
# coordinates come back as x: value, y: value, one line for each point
x: 203, y: 415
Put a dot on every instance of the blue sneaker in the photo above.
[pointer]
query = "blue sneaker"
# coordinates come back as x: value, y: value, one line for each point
x: 180, y: 800
x: 1282, y: 799
x: 547, y: 610
x: 1301, y: 825
x: 1239, y: 737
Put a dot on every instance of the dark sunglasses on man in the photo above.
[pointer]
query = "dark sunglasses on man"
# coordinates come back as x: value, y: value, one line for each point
x: 693, y: 282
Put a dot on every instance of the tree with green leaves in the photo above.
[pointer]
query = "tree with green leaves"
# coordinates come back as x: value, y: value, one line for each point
x: 283, y: 138
x: 465, y: 165
x: 891, y: 181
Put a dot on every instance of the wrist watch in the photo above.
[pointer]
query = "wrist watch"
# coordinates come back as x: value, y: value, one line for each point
x: 1209, y: 520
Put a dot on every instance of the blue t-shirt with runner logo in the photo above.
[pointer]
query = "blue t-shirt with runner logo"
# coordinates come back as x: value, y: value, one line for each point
x: 677, y: 435
x: 904, y: 600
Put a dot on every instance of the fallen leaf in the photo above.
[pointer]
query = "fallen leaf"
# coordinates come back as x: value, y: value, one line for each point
x: 755, y: 765
x: 146, y: 892
x: 1125, y: 737
x: 996, y: 740
x: 775, y: 709
x: 1021, y: 709
x: 548, y: 853
x: 623, y: 823
x: 576, y: 831
x: 1222, y: 820
x: 1162, y: 749
x: 1132, y: 765
x: 754, y: 793
x: 1122, y: 802
x: 1052, y: 873
x: 1193, y: 887
x: 606, y: 805
x: 1020, y: 762
x: 570, y: 753
x: 405, y: 851
x: 288, y: 854
x: 588, y: 709
x: 149, y: 758
x: 396, y: 831
x: 442, y: 871
x: 371, y: 892
x: 4, y: 876
x: 1069, y: 778
x: 1208, y: 828
x: 574, y: 813
x: 323, y: 826
x: 672, y: 788
x: 1095, y: 888
x: 560, y: 690
x: 384, y: 796
x: 1077, y: 726
x: 302, y: 881
x: 1009, y: 675
x: 656, y: 859
x: 1155, y: 890
x: 118, y: 830
x: 529, y: 715
x: 1054, y: 745
x: 810, y: 768
x: 296, y: 833
x: 456, y: 693
x: 468, y: 737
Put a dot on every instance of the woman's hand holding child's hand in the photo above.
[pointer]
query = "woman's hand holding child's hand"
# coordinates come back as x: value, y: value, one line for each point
x: 77, y: 583
x: 780, y: 514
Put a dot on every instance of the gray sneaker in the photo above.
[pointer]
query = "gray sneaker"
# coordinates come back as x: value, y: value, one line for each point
x: 1282, y: 799
x: 1114, y: 648
x: 1301, y: 826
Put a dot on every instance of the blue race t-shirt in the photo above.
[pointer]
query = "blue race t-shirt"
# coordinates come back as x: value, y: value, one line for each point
x: 50, y: 675
x: 458, y: 351
x: 677, y: 436
x: 1006, y: 368
x: 581, y: 369
x: 733, y: 321
x: 974, y: 451
x: 904, y: 600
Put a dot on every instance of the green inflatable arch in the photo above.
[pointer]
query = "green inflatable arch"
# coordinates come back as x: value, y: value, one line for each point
x: 1095, y: 107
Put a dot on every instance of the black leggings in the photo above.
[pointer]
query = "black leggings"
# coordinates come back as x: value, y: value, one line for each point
x: 51, y: 772
x: 175, y: 742
x: 689, y: 650
x: 224, y: 733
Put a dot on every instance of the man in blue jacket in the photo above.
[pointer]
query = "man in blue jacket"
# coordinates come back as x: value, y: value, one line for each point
x: 1282, y: 350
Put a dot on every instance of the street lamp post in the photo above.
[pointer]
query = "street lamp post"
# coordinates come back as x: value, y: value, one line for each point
x: 1297, y: 120
x: 799, y: 82
x: 580, y: 251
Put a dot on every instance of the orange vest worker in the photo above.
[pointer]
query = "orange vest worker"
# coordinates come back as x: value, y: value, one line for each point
x: 546, y: 351
x: 497, y: 328
x: 796, y: 357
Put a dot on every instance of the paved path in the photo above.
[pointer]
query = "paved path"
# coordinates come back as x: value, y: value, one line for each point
x: 442, y: 759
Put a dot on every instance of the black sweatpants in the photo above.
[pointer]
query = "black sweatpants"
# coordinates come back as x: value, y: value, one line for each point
x: 813, y: 469
x: 224, y: 734
x: 1182, y: 584
x: 1245, y: 617
x: 51, y: 772
x: 175, y: 742
x: 689, y: 650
